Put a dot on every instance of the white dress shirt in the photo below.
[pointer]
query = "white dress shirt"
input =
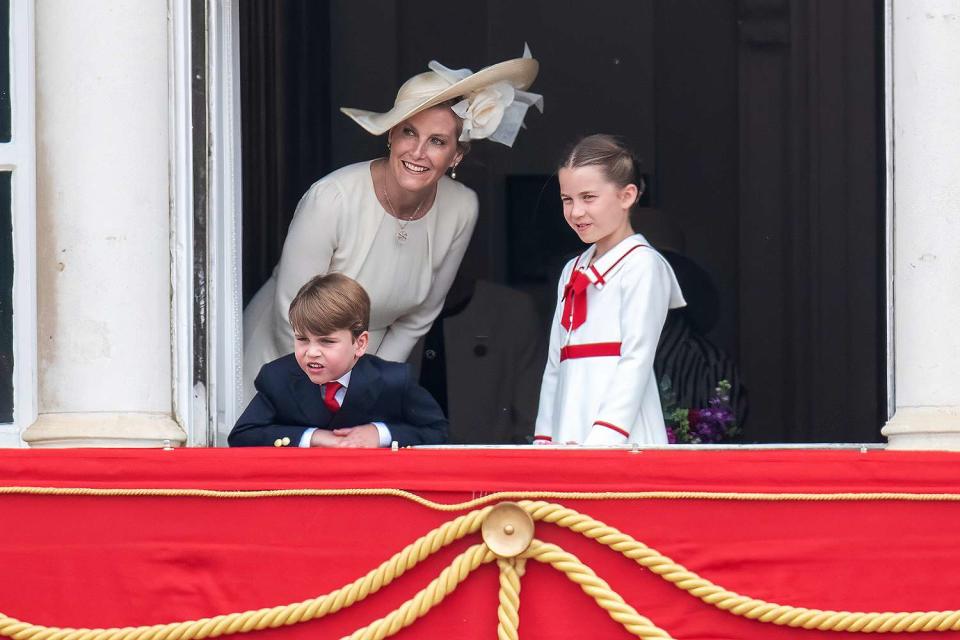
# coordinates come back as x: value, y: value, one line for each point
x: 341, y: 393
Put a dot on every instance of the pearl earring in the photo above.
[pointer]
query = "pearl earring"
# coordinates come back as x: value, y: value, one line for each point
x: 453, y: 172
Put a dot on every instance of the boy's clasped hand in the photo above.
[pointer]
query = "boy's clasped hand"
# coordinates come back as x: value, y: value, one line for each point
x: 364, y: 436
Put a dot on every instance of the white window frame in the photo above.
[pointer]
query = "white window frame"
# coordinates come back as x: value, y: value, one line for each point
x: 181, y: 241
x: 207, y: 410
x: 224, y: 210
x: 19, y: 157
x: 225, y: 216
x: 888, y: 201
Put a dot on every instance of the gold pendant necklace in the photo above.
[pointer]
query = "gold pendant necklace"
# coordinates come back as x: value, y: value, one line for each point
x: 401, y: 222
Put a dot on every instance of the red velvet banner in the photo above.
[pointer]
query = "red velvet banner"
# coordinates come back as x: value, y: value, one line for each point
x: 95, y: 561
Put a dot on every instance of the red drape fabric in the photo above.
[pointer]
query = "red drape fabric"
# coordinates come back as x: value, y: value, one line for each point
x: 118, y: 561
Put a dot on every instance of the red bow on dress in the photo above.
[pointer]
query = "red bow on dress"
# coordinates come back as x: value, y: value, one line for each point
x: 575, y: 301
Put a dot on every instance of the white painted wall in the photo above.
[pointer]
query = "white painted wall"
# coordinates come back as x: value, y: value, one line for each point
x: 103, y: 229
x: 926, y: 190
x: 927, y: 195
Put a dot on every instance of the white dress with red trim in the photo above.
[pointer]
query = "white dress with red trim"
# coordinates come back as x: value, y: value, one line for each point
x: 598, y: 386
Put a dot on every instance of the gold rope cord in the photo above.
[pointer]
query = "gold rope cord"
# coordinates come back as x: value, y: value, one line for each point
x: 496, y: 496
x: 256, y: 620
x: 732, y: 602
x: 608, y: 599
x: 508, y: 611
x: 511, y: 571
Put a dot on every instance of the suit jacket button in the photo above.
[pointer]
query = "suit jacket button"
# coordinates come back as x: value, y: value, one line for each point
x: 286, y: 441
x: 278, y: 442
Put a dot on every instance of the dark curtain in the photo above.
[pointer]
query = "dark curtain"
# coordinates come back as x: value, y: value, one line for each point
x: 760, y: 122
x: 284, y: 84
x: 811, y: 237
x: 769, y: 155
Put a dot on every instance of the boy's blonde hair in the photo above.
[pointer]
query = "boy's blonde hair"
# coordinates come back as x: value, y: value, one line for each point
x: 330, y: 303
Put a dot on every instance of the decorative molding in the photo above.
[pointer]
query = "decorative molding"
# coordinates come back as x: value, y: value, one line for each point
x: 889, y: 204
x: 20, y: 156
x: 225, y: 312
x: 933, y: 428
x: 200, y: 407
x: 206, y: 203
x: 181, y: 216
x: 95, y: 429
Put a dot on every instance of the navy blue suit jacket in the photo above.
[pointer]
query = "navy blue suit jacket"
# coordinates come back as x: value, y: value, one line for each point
x: 287, y: 404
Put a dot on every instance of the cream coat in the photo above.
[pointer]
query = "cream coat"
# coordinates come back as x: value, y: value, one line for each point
x: 333, y: 230
x: 606, y: 400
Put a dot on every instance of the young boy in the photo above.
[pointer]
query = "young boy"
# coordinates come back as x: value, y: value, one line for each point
x: 327, y: 393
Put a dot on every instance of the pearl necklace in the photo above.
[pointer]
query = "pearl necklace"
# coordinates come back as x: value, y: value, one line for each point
x: 401, y: 222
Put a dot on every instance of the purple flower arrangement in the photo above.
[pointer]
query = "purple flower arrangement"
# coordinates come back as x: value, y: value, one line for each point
x: 712, y: 424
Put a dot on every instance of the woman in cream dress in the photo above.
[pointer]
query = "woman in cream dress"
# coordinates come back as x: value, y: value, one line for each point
x: 398, y: 225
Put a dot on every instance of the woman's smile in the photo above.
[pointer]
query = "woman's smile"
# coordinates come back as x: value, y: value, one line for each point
x: 422, y: 148
x: 415, y: 168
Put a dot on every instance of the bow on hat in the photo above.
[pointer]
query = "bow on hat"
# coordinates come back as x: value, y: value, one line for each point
x: 496, y: 111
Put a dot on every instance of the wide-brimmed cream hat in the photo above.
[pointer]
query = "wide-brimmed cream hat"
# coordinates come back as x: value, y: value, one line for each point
x: 493, y: 106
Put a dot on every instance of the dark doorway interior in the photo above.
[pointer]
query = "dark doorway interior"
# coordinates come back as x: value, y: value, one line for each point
x: 6, y: 299
x: 759, y: 123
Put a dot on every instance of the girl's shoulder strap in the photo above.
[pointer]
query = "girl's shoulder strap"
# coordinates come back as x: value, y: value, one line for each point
x: 610, y: 262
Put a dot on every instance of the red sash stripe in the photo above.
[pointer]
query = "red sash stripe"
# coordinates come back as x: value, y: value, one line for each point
x: 625, y: 434
x: 598, y: 275
x: 589, y: 350
x: 547, y: 438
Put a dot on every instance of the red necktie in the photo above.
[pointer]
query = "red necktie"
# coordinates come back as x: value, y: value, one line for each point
x: 330, y: 395
x: 575, y: 301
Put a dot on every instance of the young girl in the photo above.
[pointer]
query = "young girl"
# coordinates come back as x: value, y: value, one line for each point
x: 598, y: 386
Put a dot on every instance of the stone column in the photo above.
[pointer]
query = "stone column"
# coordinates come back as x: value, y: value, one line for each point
x: 926, y: 187
x: 103, y: 225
